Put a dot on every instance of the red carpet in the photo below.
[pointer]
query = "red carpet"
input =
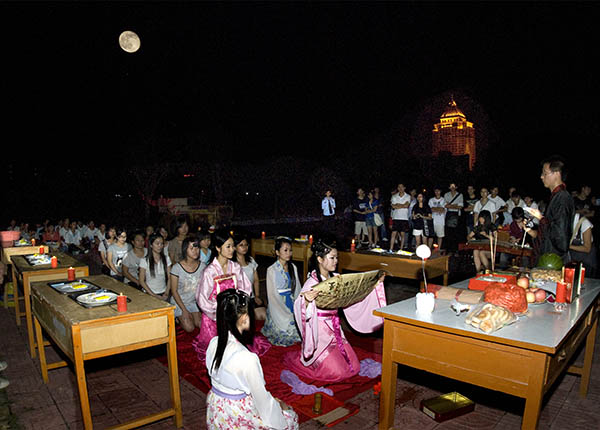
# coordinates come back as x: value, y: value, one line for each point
x: 195, y: 372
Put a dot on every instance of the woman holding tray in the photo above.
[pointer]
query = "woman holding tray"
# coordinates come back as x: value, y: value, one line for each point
x: 238, y: 398
x: 221, y: 274
x: 283, y: 287
x: 325, y: 354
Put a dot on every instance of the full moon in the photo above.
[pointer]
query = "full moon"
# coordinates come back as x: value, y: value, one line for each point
x: 129, y: 41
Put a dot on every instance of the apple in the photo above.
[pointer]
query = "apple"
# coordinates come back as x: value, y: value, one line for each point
x: 523, y: 281
x: 530, y: 297
x: 540, y: 295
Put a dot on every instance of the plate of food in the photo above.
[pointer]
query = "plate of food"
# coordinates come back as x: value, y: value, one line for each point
x: 97, y: 298
x: 73, y: 287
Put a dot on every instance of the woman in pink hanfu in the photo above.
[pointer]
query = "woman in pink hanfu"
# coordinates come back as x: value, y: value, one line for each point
x: 221, y: 274
x: 325, y: 354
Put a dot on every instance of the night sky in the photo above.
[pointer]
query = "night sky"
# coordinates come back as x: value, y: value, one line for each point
x: 243, y: 81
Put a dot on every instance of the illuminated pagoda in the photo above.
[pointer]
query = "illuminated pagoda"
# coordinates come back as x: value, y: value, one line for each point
x: 454, y: 134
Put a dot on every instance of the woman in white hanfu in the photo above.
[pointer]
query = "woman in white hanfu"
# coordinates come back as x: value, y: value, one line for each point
x: 238, y: 398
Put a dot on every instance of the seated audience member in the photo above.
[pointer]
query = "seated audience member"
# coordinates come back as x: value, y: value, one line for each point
x: 111, y: 237
x: 222, y: 273
x: 238, y: 398
x: 131, y: 263
x: 73, y: 239
x: 184, y: 282
x: 283, y: 287
x: 51, y: 237
x: 116, y: 253
x: 180, y: 230
x: 249, y: 266
x: 582, y: 247
x: 154, y: 269
x: 483, y: 230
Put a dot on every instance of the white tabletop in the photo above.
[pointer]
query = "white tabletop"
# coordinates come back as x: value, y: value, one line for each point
x: 541, y: 326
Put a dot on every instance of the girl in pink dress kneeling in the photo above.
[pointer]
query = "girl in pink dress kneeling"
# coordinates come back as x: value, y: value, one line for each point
x: 238, y: 398
x: 221, y: 274
x: 325, y: 354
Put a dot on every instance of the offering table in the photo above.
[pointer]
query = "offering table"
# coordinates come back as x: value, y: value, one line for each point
x: 7, y: 253
x: 86, y: 333
x: 27, y: 273
x: 522, y: 359
x: 401, y: 266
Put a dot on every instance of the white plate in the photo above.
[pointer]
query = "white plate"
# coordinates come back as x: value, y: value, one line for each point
x: 97, y: 298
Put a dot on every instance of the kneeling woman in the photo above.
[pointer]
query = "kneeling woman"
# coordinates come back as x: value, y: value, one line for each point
x: 283, y: 287
x: 325, y: 354
x: 222, y: 273
x: 238, y: 398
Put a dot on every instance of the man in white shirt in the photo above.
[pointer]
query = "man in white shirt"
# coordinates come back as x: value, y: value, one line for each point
x: 438, y: 212
x: 328, y: 204
x: 500, y: 206
x: 400, y: 203
x: 73, y: 238
x: 483, y: 204
x: 514, y: 202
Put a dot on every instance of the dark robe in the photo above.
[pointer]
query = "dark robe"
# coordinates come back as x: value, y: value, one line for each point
x: 556, y: 226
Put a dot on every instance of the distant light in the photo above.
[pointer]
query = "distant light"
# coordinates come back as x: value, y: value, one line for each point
x: 247, y: 193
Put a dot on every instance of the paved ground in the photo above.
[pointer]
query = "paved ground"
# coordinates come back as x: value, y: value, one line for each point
x: 135, y: 384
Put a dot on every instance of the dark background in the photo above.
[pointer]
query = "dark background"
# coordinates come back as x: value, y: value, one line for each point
x: 278, y: 99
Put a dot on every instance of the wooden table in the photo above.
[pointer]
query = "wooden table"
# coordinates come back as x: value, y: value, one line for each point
x: 26, y: 273
x: 408, y: 267
x: 300, y: 251
x: 84, y: 334
x: 7, y: 253
x: 522, y: 359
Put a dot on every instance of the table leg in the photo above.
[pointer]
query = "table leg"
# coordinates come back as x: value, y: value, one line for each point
x: 174, y: 373
x: 535, y: 393
x: 15, y: 282
x: 40, y: 341
x: 587, y: 362
x: 389, y: 376
x: 84, y: 400
x: 28, y: 316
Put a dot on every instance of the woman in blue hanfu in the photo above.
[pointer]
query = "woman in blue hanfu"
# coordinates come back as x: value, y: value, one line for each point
x: 283, y: 287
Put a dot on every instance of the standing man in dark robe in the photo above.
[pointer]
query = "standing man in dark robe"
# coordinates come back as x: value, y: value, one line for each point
x: 556, y: 225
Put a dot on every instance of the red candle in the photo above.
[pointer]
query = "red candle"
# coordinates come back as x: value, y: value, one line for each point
x: 32, y: 242
x: 353, y: 246
x: 71, y: 274
x: 310, y: 239
x: 121, y: 303
x: 54, y: 262
x: 263, y: 235
x: 561, y: 292
x: 41, y: 250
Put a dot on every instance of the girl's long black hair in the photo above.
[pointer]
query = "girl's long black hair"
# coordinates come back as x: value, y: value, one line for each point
x: 217, y: 240
x: 150, y: 257
x: 279, y: 241
x: 320, y: 248
x: 231, y: 305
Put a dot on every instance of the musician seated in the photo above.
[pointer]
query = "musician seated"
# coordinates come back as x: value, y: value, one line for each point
x: 484, y: 230
x: 517, y: 233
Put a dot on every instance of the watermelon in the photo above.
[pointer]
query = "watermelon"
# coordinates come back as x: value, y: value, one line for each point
x: 550, y: 261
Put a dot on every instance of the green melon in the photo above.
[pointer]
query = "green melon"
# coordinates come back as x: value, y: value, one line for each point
x: 550, y: 261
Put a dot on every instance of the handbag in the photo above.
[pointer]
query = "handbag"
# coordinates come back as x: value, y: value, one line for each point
x: 378, y: 219
x: 452, y: 216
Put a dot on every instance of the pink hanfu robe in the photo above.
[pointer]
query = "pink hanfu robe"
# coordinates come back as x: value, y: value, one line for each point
x: 206, y: 298
x: 325, y: 354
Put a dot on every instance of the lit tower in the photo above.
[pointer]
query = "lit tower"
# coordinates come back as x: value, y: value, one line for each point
x: 454, y: 134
